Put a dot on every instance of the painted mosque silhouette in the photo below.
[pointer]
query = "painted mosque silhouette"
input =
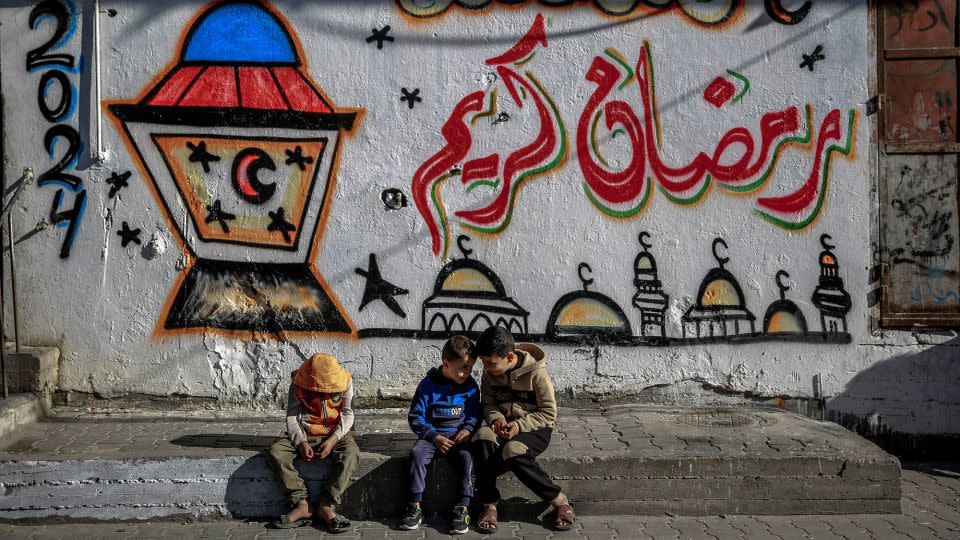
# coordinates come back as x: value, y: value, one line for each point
x: 468, y: 296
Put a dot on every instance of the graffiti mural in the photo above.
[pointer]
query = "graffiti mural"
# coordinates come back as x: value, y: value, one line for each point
x: 468, y: 296
x: 625, y: 192
x: 238, y: 134
x: 504, y: 176
x: 57, y: 100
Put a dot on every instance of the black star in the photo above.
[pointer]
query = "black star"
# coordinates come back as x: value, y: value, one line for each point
x: 117, y: 181
x: 280, y: 223
x: 379, y: 289
x: 199, y: 153
x: 380, y: 36
x: 411, y: 97
x: 126, y: 235
x: 215, y: 213
x: 810, y: 59
x: 296, y: 156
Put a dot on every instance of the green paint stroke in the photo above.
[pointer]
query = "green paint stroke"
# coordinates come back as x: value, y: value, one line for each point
x: 616, y: 58
x: 691, y: 200
x: 824, y: 179
x: 746, y: 84
x: 619, y: 213
x: 438, y: 205
x: 776, y: 157
x: 525, y: 60
x: 490, y: 108
x: 545, y: 168
x: 653, y: 95
x: 593, y: 139
x: 477, y: 183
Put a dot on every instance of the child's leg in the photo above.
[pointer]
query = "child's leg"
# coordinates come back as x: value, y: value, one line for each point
x: 280, y: 459
x: 420, y: 456
x: 343, y: 460
x: 519, y: 455
x: 489, y: 465
x: 465, y: 460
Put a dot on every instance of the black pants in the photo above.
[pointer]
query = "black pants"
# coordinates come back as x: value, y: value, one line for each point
x: 518, y: 455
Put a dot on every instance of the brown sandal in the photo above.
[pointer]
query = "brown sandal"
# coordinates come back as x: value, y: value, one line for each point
x: 563, y: 517
x: 489, y: 518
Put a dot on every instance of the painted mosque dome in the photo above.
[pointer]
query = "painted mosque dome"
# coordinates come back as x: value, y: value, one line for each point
x: 645, y: 263
x: 469, y: 297
x: 470, y: 277
x: 587, y: 313
x: 784, y: 317
x: 720, y: 289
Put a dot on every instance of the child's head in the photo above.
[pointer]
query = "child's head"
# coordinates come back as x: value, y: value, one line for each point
x: 495, y: 347
x: 322, y: 373
x: 458, y: 359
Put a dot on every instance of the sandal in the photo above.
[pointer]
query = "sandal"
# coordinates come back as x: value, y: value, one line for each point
x: 285, y: 522
x: 487, y: 523
x: 337, y: 525
x: 563, y: 517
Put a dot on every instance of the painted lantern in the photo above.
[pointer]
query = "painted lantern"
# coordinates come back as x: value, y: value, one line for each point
x: 240, y: 146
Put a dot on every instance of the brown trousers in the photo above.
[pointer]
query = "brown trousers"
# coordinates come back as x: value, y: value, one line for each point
x: 343, y: 460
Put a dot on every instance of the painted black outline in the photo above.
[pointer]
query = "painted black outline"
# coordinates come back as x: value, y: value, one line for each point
x: 37, y: 56
x: 62, y: 109
x: 265, y: 192
x: 831, y: 305
x: 554, y: 332
x: 790, y: 17
x: 377, y: 288
x: 228, y: 117
x: 657, y: 285
x: 293, y: 246
x: 714, y: 314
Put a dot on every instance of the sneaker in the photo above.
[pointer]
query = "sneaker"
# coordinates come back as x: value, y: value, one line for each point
x: 460, y: 522
x: 412, y: 519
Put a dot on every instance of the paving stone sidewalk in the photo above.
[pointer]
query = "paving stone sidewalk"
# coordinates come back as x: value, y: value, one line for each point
x: 615, y: 430
x: 931, y: 510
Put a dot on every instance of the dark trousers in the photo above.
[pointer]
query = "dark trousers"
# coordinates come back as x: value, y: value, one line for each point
x: 343, y: 459
x: 422, y: 455
x: 495, y: 456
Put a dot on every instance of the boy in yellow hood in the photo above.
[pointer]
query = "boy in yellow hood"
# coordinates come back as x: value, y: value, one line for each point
x: 319, y: 426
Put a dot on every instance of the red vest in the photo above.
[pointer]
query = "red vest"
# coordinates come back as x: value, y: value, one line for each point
x: 321, y: 411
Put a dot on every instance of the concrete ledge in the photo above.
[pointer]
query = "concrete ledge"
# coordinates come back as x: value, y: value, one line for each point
x: 627, y: 460
x: 20, y: 410
x: 33, y: 369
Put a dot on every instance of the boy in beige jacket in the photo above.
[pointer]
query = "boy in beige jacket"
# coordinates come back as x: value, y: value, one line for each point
x: 518, y: 405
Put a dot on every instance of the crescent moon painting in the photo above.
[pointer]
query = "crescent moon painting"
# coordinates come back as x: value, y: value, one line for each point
x: 244, y: 175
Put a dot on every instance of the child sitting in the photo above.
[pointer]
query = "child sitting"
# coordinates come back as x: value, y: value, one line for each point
x: 319, y: 424
x: 444, y: 412
x: 520, y: 409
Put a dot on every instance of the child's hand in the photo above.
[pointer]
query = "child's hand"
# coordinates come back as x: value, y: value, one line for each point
x: 510, y: 431
x: 306, y: 452
x: 443, y: 444
x: 326, y: 447
x: 498, y: 425
x: 461, y: 436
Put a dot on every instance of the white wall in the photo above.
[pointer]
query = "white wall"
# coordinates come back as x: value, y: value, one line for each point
x: 106, y: 305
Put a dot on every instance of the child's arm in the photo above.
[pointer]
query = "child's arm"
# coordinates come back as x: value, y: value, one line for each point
x: 294, y: 429
x: 546, y: 413
x: 488, y: 404
x: 471, y: 410
x: 346, y: 413
x: 418, y: 415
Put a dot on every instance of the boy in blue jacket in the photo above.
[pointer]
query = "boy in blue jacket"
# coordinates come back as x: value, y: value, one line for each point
x: 444, y: 413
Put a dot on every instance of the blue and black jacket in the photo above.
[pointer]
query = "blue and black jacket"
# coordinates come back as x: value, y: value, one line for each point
x: 443, y: 407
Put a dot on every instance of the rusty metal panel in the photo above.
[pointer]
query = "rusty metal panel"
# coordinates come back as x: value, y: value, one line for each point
x: 921, y: 231
x: 922, y: 99
x: 919, y: 23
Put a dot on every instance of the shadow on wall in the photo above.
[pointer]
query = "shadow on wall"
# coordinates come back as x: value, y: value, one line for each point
x: 909, y: 405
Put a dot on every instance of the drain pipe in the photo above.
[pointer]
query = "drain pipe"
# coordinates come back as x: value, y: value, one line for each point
x: 13, y: 282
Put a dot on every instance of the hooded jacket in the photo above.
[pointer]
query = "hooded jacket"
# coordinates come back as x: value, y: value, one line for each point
x: 523, y: 394
x: 442, y: 407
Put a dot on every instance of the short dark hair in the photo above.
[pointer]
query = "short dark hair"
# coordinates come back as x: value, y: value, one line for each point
x: 494, y: 341
x: 456, y: 348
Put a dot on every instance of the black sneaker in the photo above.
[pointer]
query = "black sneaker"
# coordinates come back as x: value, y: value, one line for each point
x: 460, y: 522
x: 412, y: 519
